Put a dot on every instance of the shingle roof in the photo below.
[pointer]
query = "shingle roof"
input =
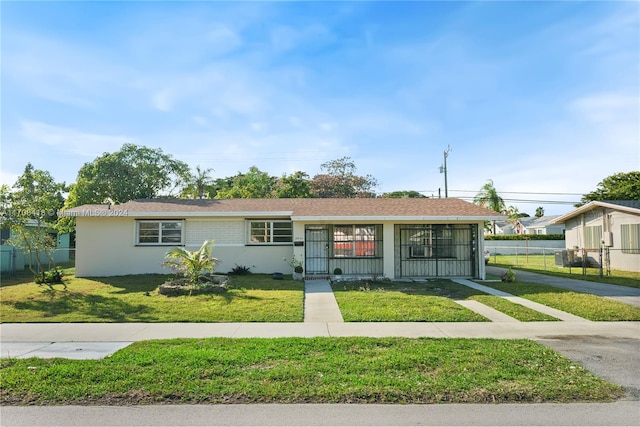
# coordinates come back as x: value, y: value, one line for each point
x: 631, y: 206
x: 363, y: 207
x: 543, y: 221
x: 626, y: 203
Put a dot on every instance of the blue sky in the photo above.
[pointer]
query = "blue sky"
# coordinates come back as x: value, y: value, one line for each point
x: 541, y: 97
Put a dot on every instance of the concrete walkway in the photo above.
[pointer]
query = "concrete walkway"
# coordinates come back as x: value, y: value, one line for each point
x: 564, y: 316
x: 320, y: 304
x: 623, y: 294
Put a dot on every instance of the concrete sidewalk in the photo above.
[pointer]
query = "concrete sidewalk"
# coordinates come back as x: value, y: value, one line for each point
x: 96, y: 340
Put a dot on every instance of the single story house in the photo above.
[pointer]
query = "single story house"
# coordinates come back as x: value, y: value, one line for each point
x: 530, y: 225
x: 366, y: 237
x: 541, y: 225
x: 613, y: 226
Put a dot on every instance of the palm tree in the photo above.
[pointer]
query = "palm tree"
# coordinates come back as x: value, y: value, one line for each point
x: 192, y: 264
x: 489, y: 198
x: 197, y: 186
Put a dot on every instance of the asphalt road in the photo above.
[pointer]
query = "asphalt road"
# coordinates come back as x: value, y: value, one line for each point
x: 614, y: 359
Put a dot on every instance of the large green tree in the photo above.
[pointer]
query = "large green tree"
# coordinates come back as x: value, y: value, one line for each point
x: 407, y: 194
x: 340, y: 180
x: 30, y: 211
x: 619, y: 186
x: 294, y: 186
x: 133, y: 172
x: 254, y: 184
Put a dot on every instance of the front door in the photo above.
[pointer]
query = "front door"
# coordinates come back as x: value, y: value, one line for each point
x: 317, y: 250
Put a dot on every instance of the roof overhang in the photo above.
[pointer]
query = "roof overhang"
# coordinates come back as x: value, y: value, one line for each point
x: 592, y: 206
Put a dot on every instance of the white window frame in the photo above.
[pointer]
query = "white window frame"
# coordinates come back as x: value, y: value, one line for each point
x: 269, y: 236
x: 161, y: 240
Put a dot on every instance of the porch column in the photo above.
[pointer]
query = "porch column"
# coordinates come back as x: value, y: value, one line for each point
x: 388, y: 252
x: 480, y: 251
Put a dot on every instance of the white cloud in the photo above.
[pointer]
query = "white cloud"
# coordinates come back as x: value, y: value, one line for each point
x: 223, y: 38
x: 162, y: 100
x: 52, y: 69
x: 285, y: 38
x: 8, y: 178
x: 607, y: 107
x: 71, y: 140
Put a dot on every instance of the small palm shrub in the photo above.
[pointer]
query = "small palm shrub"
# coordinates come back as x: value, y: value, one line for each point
x: 192, y: 265
x: 240, y: 270
x: 509, y: 276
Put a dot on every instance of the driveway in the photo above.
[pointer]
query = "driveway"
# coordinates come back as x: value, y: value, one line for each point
x: 623, y: 294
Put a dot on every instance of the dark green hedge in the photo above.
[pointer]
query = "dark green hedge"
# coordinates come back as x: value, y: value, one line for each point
x: 525, y: 237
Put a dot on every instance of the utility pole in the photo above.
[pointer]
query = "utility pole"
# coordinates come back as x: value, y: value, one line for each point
x: 443, y: 169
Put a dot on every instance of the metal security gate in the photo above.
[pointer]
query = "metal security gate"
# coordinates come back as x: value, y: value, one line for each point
x: 316, y: 250
x: 436, y: 250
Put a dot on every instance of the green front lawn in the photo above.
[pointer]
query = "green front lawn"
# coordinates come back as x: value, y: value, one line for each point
x: 252, y: 298
x: 373, y: 301
x: 588, y: 306
x: 307, y: 370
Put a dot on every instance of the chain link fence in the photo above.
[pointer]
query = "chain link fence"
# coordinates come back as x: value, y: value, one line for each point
x: 573, y: 261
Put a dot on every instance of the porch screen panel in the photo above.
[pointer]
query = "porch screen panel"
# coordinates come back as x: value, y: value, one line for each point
x: 435, y: 250
x: 356, y: 249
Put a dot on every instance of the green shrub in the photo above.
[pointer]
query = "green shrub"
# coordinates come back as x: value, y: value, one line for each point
x: 240, y: 270
x: 48, y: 277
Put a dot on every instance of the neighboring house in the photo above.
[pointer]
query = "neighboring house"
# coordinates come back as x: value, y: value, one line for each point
x: 530, y: 225
x: 393, y: 238
x: 613, y: 226
x: 13, y: 259
x: 542, y: 225
x: 500, y: 227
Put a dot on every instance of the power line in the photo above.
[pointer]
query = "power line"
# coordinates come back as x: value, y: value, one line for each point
x: 525, y: 192
x: 509, y: 192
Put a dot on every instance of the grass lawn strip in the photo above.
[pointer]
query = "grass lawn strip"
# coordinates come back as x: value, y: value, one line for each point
x: 517, y: 311
x: 386, y: 301
x: 306, y: 370
x: 252, y: 298
x: 588, y: 306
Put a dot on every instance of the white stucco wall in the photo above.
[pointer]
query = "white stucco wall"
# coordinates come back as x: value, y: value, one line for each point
x: 106, y: 247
